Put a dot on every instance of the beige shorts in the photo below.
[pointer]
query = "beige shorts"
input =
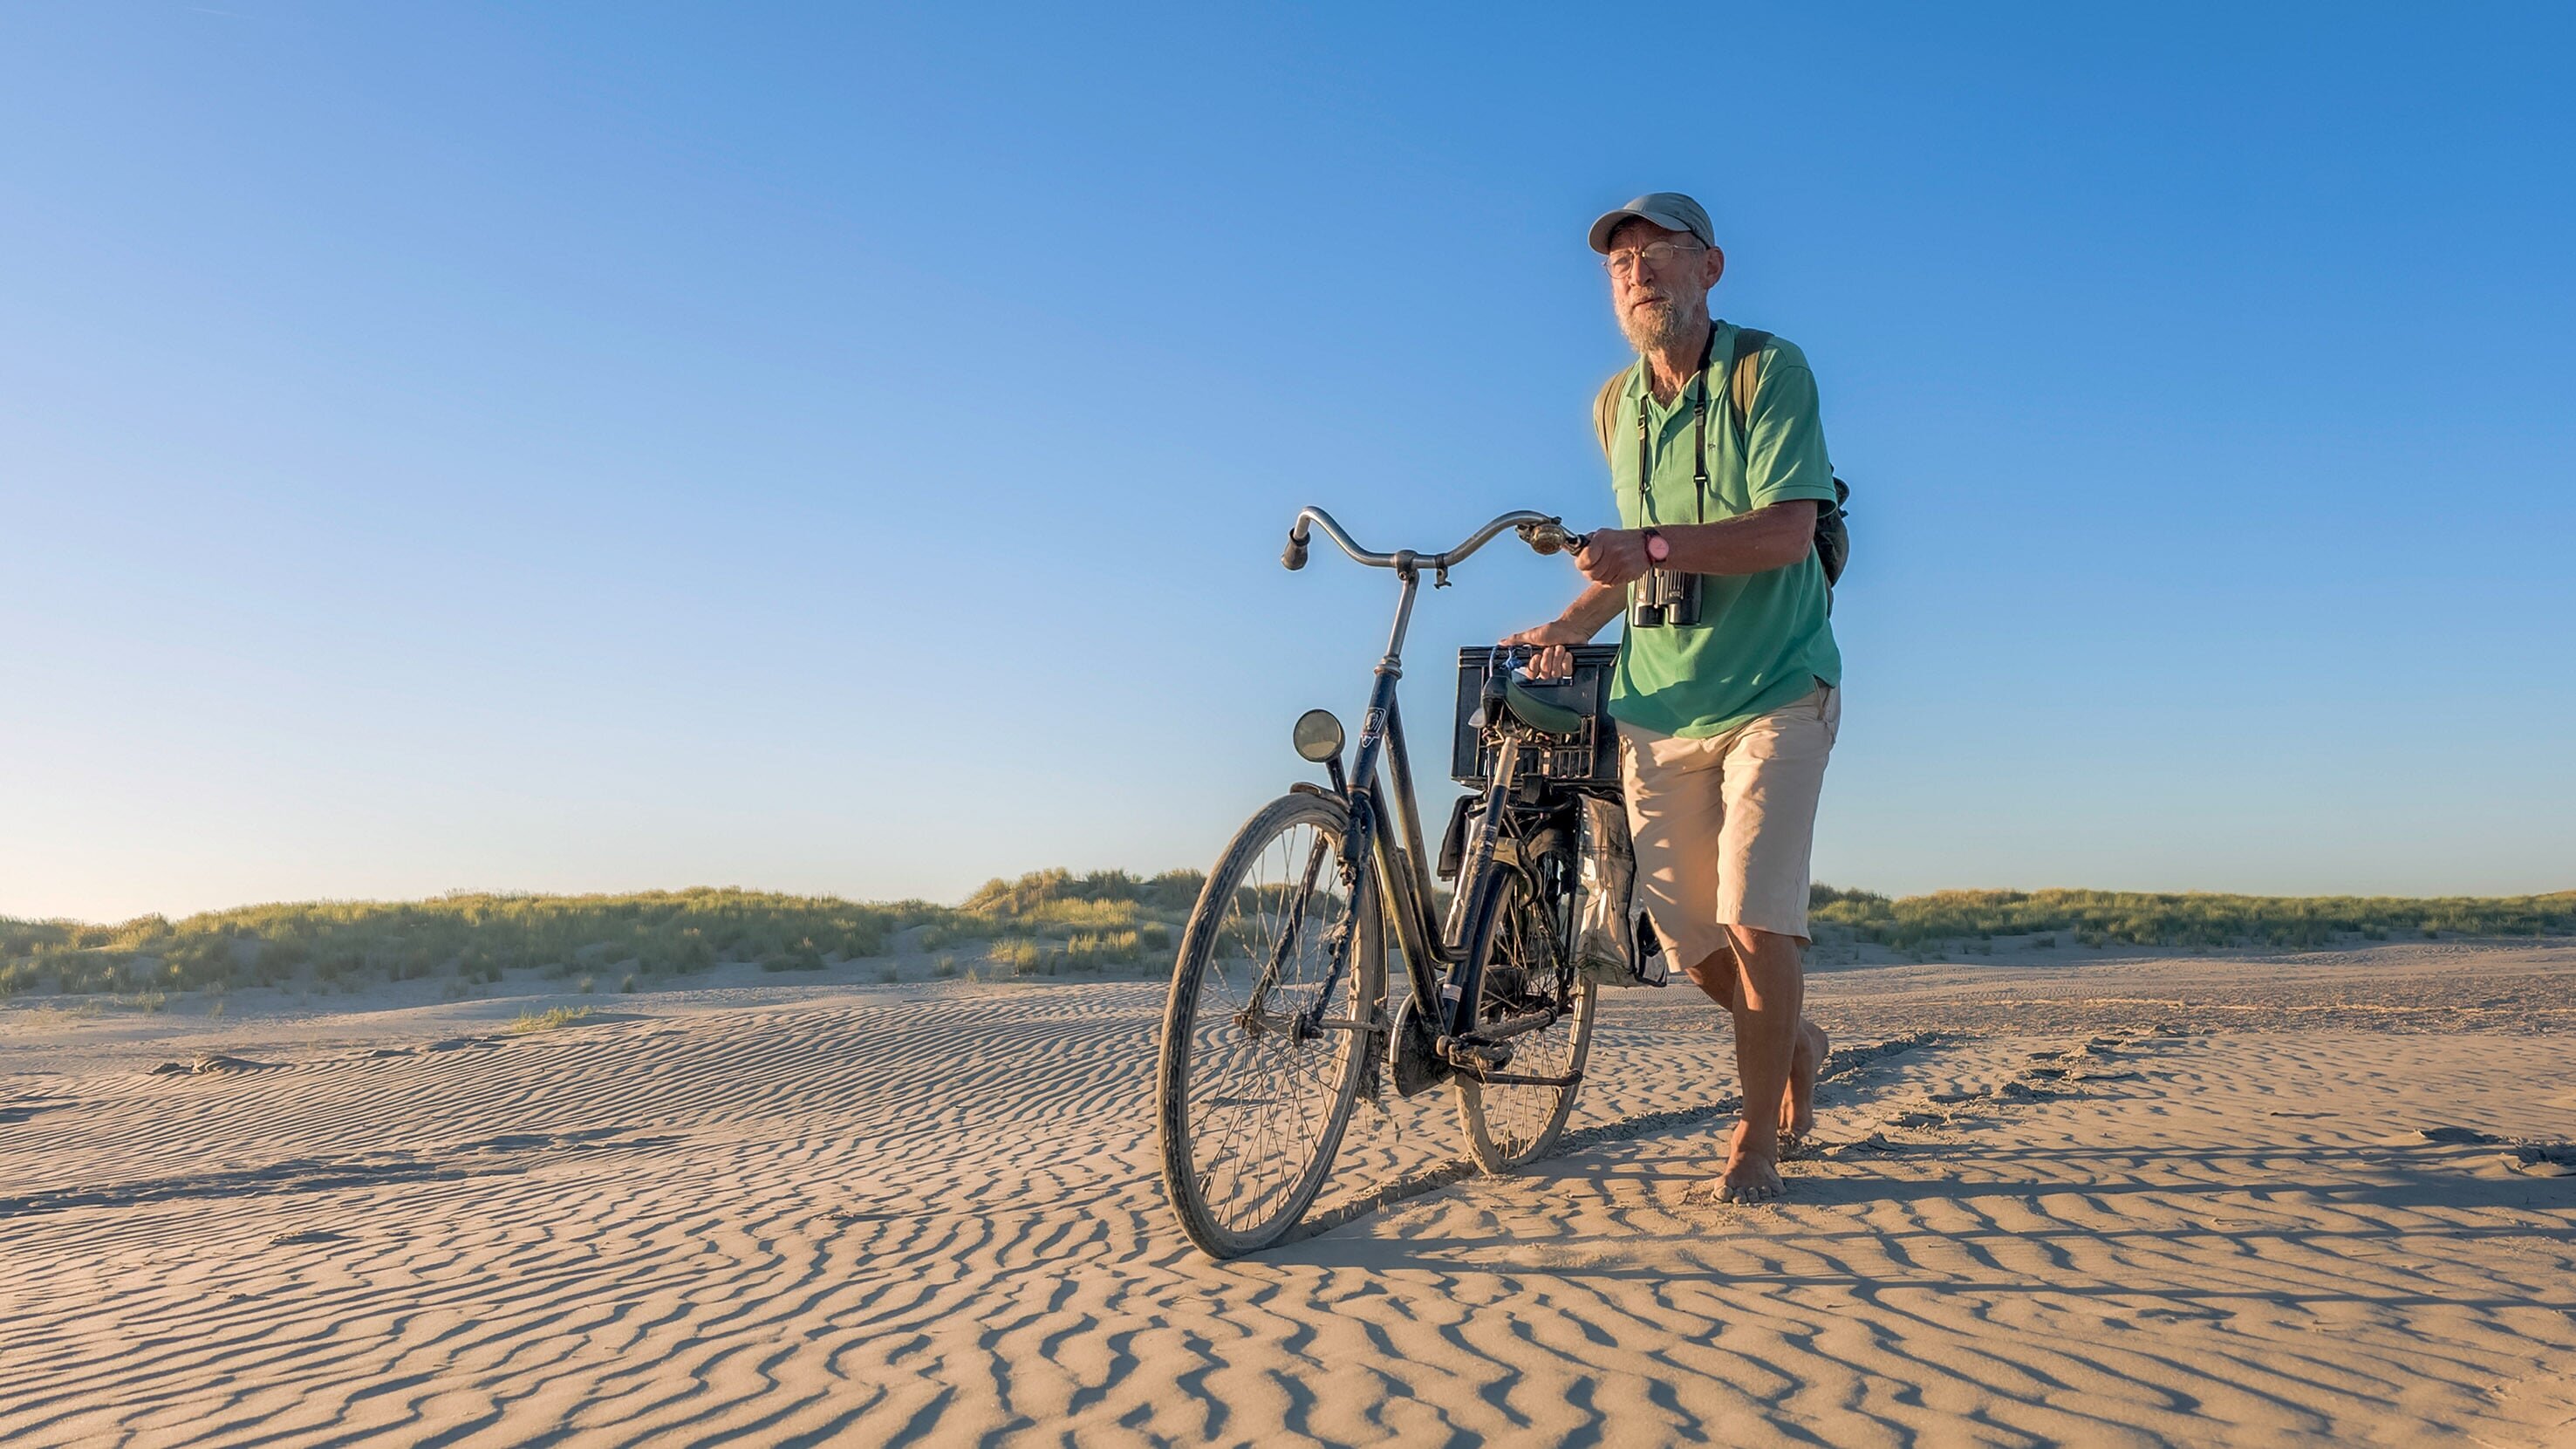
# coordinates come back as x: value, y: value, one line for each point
x: 1724, y: 825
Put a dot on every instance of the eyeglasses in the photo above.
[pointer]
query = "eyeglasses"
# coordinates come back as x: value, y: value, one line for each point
x: 1658, y: 255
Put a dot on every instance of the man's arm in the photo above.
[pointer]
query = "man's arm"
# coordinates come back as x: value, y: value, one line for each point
x: 1582, y: 619
x: 1750, y: 543
x: 1786, y: 473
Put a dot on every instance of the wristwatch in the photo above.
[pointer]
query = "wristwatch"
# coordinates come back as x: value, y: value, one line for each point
x: 1658, y: 547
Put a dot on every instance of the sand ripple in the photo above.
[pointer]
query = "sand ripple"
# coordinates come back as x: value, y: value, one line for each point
x: 894, y: 1221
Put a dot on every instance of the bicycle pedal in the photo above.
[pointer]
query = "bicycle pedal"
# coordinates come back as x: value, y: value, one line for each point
x: 1475, y: 1055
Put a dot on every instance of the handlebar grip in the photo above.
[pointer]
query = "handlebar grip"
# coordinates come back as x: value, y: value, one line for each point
x: 1553, y: 537
x: 1294, y: 556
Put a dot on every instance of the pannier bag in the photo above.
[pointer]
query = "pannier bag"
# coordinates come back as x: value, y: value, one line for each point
x: 1613, y: 946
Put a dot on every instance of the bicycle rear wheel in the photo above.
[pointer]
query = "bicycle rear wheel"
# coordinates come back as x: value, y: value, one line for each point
x: 1507, y: 1124
x: 1250, y: 1102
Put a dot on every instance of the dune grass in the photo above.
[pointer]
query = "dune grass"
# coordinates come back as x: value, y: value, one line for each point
x: 477, y: 939
x: 2208, y: 921
x: 1043, y: 924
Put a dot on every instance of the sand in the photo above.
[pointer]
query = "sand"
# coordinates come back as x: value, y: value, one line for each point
x: 2313, y: 1200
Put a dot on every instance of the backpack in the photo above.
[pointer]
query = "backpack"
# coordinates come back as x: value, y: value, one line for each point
x: 1743, y: 378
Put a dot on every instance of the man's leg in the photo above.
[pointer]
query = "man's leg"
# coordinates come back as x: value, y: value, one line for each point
x: 1771, y: 993
x: 1716, y: 977
x: 1676, y: 808
x: 1774, y: 771
x: 1680, y: 795
x: 1798, y: 1112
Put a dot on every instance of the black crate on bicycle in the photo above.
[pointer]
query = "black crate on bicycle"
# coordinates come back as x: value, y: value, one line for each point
x: 1590, y: 757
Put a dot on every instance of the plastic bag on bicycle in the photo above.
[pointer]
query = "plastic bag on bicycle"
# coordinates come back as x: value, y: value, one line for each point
x: 1613, y: 946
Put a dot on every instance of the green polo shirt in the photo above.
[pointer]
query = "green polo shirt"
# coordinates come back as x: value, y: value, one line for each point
x: 1763, y: 640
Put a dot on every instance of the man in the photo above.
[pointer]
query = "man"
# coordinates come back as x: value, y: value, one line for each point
x: 1724, y: 724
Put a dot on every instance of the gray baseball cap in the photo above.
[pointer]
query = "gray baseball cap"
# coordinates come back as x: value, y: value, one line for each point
x: 1668, y: 209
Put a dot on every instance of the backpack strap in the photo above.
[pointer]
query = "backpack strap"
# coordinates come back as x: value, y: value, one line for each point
x: 1743, y: 381
x: 1605, y: 409
x: 1742, y: 384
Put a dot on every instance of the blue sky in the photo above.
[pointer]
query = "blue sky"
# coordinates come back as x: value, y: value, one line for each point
x: 845, y: 448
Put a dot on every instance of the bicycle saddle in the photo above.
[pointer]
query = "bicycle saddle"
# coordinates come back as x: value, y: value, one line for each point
x: 1538, y: 711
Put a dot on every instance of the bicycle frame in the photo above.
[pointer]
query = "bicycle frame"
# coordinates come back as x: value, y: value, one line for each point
x: 1398, y: 865
x: 1242, y: 1176
x: 1393, y: 848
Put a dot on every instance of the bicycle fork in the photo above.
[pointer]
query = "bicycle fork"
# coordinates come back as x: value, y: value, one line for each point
x: 1256, y: 1016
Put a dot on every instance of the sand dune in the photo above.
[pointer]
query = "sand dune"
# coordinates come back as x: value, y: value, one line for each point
x: 2317, y: 1200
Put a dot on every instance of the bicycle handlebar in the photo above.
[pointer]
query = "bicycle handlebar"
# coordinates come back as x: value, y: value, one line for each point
x: 1542, y: 532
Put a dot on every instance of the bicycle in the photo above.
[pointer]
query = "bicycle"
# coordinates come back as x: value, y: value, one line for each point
x: 1277, y: 1018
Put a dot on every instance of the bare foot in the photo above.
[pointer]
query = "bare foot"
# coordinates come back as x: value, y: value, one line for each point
x: 1798, y: 1103
x: 1749, y: 1176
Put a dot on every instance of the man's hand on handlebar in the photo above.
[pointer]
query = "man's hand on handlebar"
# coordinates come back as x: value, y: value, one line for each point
x: 1552, y: 638
x: 1613, y: 556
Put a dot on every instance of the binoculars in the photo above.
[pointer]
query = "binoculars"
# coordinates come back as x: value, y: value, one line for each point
x: 1664, y: 597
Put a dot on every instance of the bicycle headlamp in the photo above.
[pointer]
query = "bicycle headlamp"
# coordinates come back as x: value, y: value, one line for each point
x: 1318, y: 736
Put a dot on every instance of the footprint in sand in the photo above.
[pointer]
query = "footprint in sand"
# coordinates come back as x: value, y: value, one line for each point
x: 205, y: 1063
x: 2529, y: 1159
x: 2449, y: 1136
x: 25, y: 1107
x: 2551, y: 1159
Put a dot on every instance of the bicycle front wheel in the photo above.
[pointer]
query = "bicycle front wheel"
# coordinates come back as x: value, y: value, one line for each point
x: 1266, y: 1032
x: 1507, y: 1124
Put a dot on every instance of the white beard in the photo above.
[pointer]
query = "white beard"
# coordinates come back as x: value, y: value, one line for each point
x: 1655, y: 326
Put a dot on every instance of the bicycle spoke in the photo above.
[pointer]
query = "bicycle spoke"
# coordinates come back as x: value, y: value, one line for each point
x: 1508, y: 1123
x: 1259, y: 1102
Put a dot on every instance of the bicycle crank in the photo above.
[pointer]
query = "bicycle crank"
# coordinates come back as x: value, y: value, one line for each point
x: 1415, y: 1061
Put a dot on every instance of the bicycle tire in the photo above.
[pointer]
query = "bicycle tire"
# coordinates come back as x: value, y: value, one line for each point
x: 1210, y: 1065
x: 1508, y: 1125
